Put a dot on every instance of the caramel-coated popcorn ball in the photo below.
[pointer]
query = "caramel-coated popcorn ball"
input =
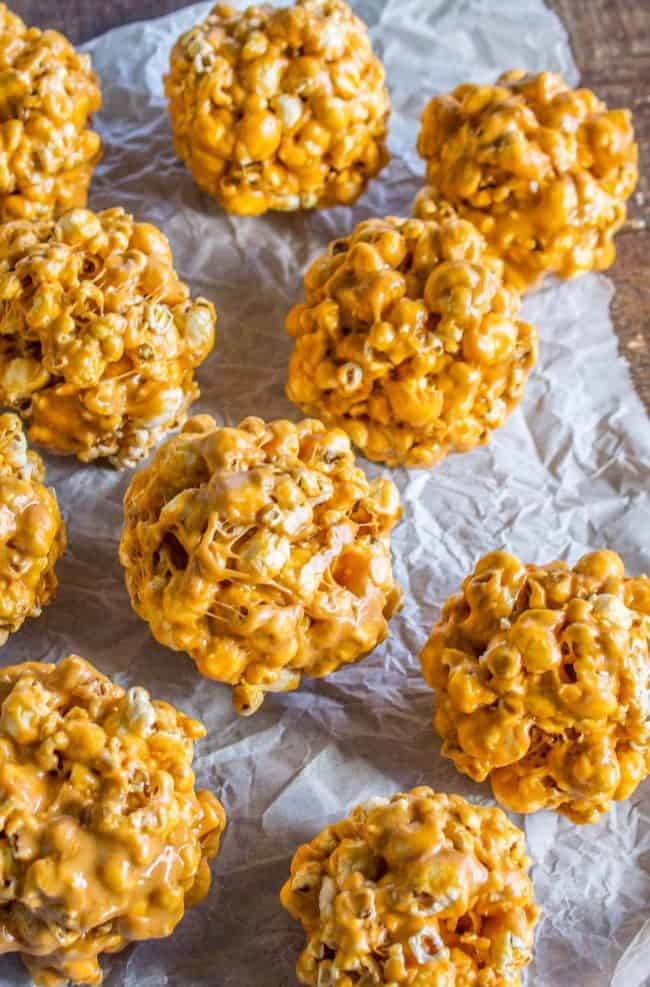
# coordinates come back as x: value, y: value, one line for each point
x: 409, y: 340
x: 542, y: 679
x: 262, y: 551
x: 32, y: 535
x: 419, y: 890
x: 98, y: 336
x: 279, y: 108
x: 543, y: 171
x: 48, y: 91
x: 104, y: 839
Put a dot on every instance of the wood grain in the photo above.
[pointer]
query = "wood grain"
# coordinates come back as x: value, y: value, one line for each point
x: 611, y: 44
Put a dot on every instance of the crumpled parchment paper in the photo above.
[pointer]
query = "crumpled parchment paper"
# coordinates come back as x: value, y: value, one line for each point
x: 568, y: 473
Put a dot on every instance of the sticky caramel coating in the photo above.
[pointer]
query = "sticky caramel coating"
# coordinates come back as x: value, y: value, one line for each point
x: 48, y: 92
x: 544, y: 171
x: 262, y: 551
x: 32, y: 534
x: 409, y: 340
x: 279, y: 108
x: 542, y: 679
x: 98, y: 336
x: 421, y: 889
x: 104, y: 839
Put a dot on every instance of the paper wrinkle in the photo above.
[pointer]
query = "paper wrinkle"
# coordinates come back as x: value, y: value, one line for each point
x: 568, y: 473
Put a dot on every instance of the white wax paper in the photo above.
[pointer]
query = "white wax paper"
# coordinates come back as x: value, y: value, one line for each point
x: 568, y: 473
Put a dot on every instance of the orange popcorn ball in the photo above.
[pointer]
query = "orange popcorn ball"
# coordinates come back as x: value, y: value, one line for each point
x: 32, y: 534
x: 409, y: 340
x: 98, y: 336
x: 417, y: 890
x: 104, y: 839
x: 544, y: 171
x: 279, y: 108
x: 542, y: 679
x: 48, y: 92
x: 262, y: 551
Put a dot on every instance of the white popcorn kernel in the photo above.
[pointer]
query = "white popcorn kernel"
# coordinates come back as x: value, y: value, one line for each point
x: 159, y: 318
x: 289, y: 110
x: 350, y: 376
x: 79, y: 223
x: 199, y: 327
x: 427, y: 945
x: 376, y: 802
x: 287, y: 203
x: 496, y: 413
x: 440, y: 903
x: 326, y: 897
x: 326, y: 974
x: 332, y: 36
x: 139, y: 713
x: 611, y: 610
x: 385, y: 496
x: 7, y: 523
x: 172, y: 401
x: 267, y: 553
x: 284, y: 681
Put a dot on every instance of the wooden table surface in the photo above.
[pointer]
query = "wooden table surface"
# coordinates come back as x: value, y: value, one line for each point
x: 611, y: 45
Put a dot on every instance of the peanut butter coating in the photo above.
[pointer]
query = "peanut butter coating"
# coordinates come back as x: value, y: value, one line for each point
x: 279, y: 108
x: 32, y: 533
x: 409, y: 340
x: 542, y: 679
x: 417, y: 890
x: 99, y: 338
x: 262, y: 551
x: 104, y: 839
x: 48, y: 92
x: 543, y: 171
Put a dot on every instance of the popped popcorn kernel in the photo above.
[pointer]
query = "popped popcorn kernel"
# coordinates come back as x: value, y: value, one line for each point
x: 279, y: 108
x: 542, y: 170
x: 542, y: 679
x: 99, y: 338
x: 262, y: 551
x: 409, y: 340
x: 418, y: 890
x: 104, y: 839
x: 48, y: 92
x: 32, y: 533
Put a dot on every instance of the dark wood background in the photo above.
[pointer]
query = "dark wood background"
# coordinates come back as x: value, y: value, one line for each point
x: 611, y: 44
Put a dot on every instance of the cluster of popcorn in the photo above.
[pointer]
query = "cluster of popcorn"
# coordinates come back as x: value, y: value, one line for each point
x: 542, y: 170
x: 32, y: 534
x: 417, y: 890
x: 262, y: 551
x: 542, y: 679
x: 279, y: 108
x: 48, y: 91
x: 104, y: 840
x: 98, y: 336
x: 409, y: 339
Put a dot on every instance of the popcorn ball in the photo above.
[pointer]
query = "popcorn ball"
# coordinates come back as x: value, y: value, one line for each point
x: 279, y: 108
x: 542, y: 679
x: 409, y: 340
x: 32, y: 534
x: 544, y: 171
x: 419, y: 890
x: 48, y: 92
x: 262, y: 551
x: 104, y: 839
x: 98, y: 336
